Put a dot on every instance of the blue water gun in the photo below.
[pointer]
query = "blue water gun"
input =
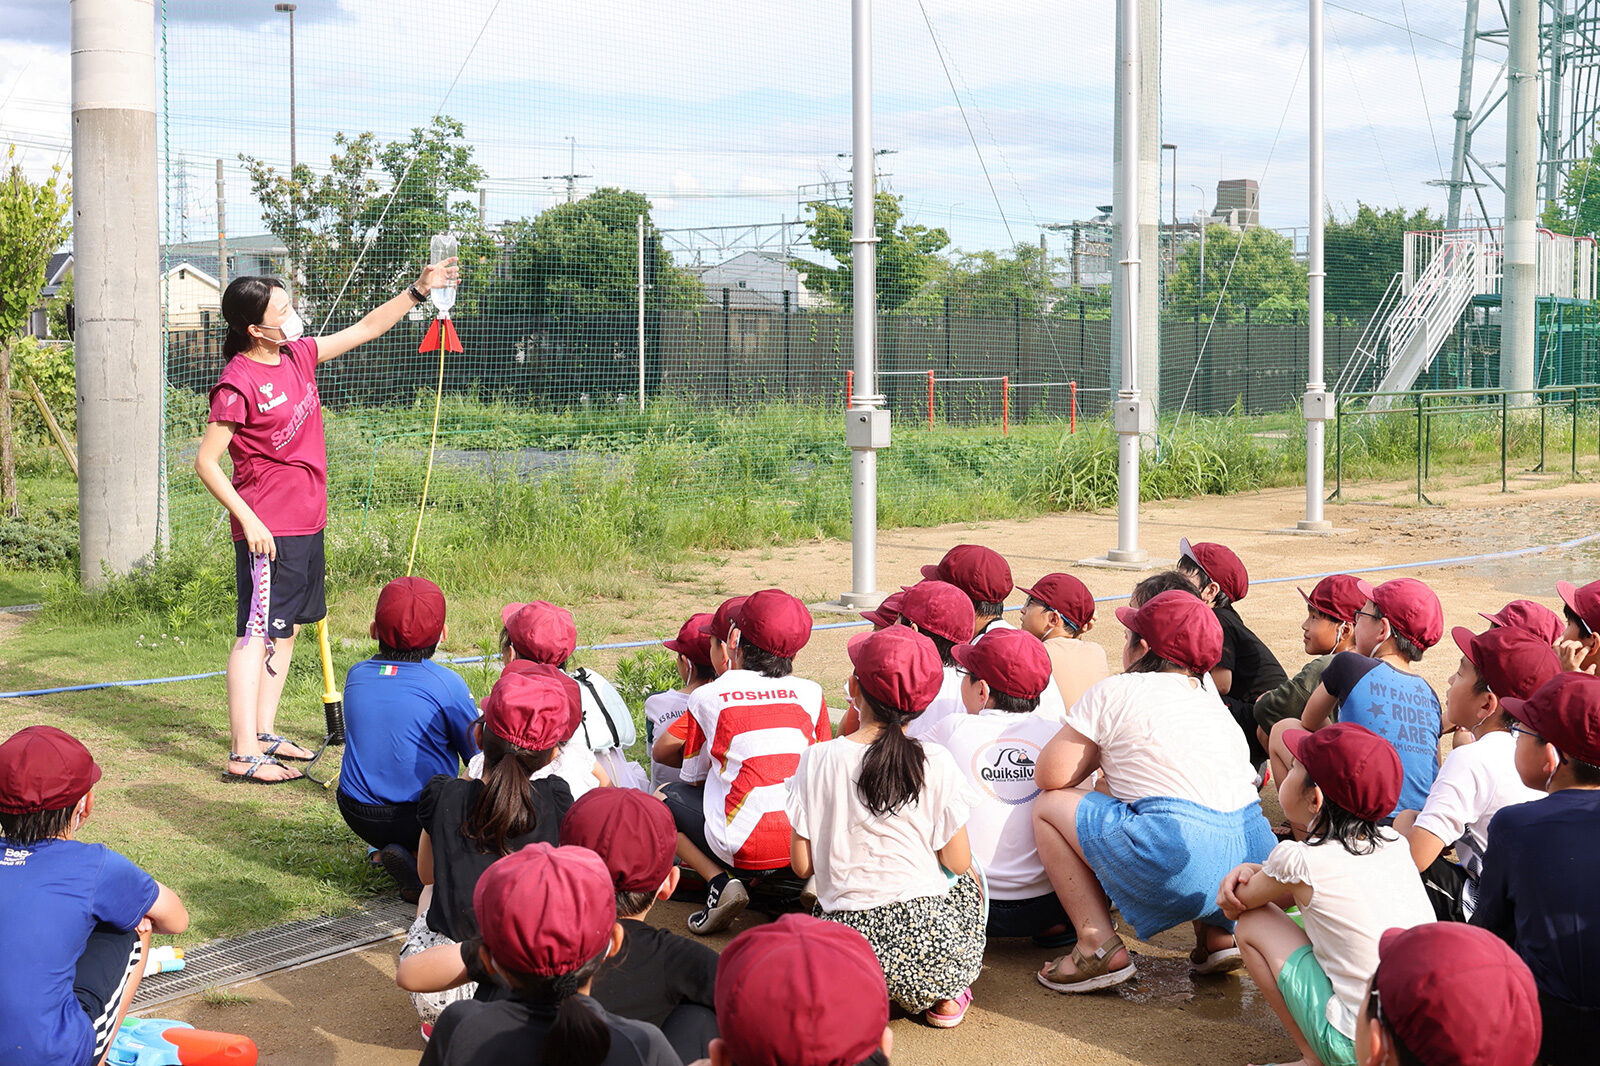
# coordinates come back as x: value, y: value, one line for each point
x: 162, y: 1042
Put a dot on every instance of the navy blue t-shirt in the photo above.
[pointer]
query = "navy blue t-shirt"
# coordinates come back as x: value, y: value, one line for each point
x: 1538, y: 891
x: 1399, y: 707
x: 52, y: 895
x: 405, y: 723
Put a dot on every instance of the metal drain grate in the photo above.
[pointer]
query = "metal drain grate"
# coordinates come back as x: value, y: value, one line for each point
x: 225, y: 962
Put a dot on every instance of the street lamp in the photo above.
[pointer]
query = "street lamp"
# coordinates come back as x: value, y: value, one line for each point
x: 289, y: 9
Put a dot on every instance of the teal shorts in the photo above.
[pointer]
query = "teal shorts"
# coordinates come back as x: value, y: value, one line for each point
x: 1306, y: 991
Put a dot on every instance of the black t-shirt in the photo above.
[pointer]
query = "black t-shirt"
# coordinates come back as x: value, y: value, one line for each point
x: 457, y: 863
x: 654, y: 972
x: 511, y: 1032
x: 1255, y: 668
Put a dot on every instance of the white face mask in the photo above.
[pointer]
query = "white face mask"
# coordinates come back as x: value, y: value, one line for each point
x: 291, y: 327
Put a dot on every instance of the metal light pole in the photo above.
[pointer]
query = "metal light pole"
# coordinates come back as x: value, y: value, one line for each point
x: 294, y: 258
x: 1205, y: 221
x: 1172, y: 238
x: 1317, y: 401
x: 1520, y: 287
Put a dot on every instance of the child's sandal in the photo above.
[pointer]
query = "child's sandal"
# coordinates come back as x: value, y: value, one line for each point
x: 1091, y: 972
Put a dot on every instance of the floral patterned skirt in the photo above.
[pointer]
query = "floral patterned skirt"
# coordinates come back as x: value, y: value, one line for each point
x: 930, y: 948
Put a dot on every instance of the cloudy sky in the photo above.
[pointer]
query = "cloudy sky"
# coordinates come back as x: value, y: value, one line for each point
x: 719, y: 112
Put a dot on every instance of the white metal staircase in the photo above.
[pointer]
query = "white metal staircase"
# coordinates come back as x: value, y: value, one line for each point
x: 1421, y: 323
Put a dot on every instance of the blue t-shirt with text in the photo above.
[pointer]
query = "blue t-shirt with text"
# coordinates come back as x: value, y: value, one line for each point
x: 404, y: 724
x: 1399, y: 707
x: 52, y: 895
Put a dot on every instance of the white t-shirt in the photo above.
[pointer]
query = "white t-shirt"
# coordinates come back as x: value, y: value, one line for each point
x: 1051, y: 705
x: 1475, y: 781
x: 946, y: 703
x: 865, y: 860
x: 661, y: 709
x: 996, y: 752
x: 1166, y: 735
x: 573, y: 763
x: 1354, y: 900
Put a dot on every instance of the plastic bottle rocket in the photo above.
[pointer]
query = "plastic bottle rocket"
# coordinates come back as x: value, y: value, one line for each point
x: 165, y: 959
x: 442, y: 247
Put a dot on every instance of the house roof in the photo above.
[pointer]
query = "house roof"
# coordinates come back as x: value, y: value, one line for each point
x: 196, y: 271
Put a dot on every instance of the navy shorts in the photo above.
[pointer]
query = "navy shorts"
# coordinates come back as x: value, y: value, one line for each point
x: 687, y: 804
x: 297, y: 597
x: 108, y: 963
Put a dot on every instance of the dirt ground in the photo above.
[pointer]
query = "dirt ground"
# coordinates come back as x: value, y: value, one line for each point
x: 348, y: 1011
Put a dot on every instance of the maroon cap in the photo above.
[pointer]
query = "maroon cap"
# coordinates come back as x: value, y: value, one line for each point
x: 692, y: 641
x: 774, y: 621
x: 887, y: 613
x: 1221, y: 565
x: 774, y: 983
x: 1066, y: 596
x: 631, y: 831
x: 1354, y: 767
x: 940, y: 608
x: 897, y: 667
x: 545, y: 910
x: 722, y: 619
x: 540, y: 631
x: 409, y: 615
x: 982, y: 573
x: 1338, y: 596
x: 44, y: 769
x: 1411, y: 607
x: 533, y: 706
x: 1457, y: 995
x: 1179, y: 627
x: 1565, y: 711
x: 1529, y: 617
x: 1512, y: 662
x: 1584, y: 601
x: 1009, y: 660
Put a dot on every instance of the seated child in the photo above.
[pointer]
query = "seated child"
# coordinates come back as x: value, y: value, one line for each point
x: 667, y: 749
x: 747, y: 730
x: 1375, y: 686
x: 775, y: 981
x: 984, y: 576
x: 1157, y: 583
x: 1180, y: 808
x: 1059, y: 611
x: 1579, y: 646
x: 996, y: 744
x: 77, y: 917
x: 1479, y: 776
x: 1329, y: 629
x: 1537, y: 891
x: 467, y: 824
x: 549, y: 923
x: 1447, y: 995
x: 1351, y: 878
x: 407, y: 719
x: 879, y: 819
x: 1530, y: 617
x: 692, y: 645
x: 1247, y: 668
x: 942, y: 613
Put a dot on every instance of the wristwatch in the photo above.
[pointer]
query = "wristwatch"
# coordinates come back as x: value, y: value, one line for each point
x: 416, y: 293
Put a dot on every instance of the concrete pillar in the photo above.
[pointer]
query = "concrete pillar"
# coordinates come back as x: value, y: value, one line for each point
x: 117, y: 284
x: 1148, y: 151
x: 1519, y: 288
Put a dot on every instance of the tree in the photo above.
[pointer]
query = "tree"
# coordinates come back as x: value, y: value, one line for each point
x: 32, y: 225
x: 990, y: 284
x: 1577, y: 210
x: 346, y: 231
x: 907, y: 255
x: 1253, y: 268
x: 1363, y: 253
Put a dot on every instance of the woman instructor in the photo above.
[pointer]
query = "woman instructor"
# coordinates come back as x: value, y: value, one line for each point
x: 266, y: 414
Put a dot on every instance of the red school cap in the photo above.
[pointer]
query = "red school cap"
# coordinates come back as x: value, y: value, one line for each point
x: 982, y: 573
x: 1457, y: 995
x: 1358, y: 769
x: 897, y: 667
x: 1411, y: 607
x: 693, y: 642
x: 1530, y: 617
x: 631, y: 831
x: 721, y: 623
x: 886, y: 613
x: 1584, y: 601
x: 1512, y: 662
x: 1066, y: 596
x: 1338, y: 596
x: 1220, y: 564
x: 1009, y: 660
x: 540, y: 631
x: 545, y: 910
x: 44, y: 769
x: 1565, y: 712
x: 774, y: 621
x: 776, y: 980
x: 1179, y: 627
x: 533, y: 706
x: 409, y: 614
x: 940, y: 608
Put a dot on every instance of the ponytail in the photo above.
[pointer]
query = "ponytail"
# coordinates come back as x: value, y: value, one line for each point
x: 579, y: 1037
x: 894, y: 768
x: 505, y: 806
x: 243, y: 304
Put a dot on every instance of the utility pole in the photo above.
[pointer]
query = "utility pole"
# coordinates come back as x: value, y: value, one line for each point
x: 570, y: 177
x: 117, y: 355
x: 222, y: 231
x: 1317, y: 401
x: 1145, y: 148
x: 483, y: 206
x: 1519, y: 290
x: 1463, y: 117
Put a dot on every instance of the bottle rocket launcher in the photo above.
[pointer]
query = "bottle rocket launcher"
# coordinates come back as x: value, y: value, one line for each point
x: 161, y: 1042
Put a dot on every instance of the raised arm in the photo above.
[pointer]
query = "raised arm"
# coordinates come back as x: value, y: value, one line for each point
x: 379, y: 321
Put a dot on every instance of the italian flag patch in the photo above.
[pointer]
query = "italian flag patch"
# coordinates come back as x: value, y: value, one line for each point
x: 388, y: 671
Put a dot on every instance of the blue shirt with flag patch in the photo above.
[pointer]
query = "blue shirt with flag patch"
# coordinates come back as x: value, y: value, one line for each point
x: 404, y: 723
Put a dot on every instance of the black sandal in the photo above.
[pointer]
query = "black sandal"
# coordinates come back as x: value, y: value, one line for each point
x: 255, y: 763
x: 274, y: 742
